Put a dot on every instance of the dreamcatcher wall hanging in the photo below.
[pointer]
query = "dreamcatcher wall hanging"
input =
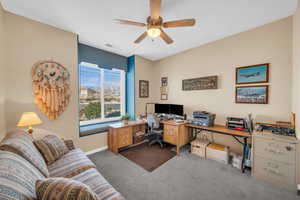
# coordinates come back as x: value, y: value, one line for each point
x: 51, y: 84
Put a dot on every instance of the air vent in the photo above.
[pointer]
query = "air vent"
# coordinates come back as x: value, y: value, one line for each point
x: 109, y: 45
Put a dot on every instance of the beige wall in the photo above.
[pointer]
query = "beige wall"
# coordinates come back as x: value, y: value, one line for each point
x: 143, y: 71
x: 2, y: 73
x: 296, y: 68
x: 296, y: 73
x: 28, y: 42
x: 271, y: 43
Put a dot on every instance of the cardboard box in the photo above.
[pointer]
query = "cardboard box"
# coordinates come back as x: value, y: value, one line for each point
x: 198, y: 147
x: 218, y: 153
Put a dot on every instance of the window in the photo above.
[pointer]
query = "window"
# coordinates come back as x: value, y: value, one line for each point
x: 102, y: 94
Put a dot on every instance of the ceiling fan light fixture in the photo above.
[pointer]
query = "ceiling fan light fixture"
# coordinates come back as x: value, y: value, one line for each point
x: 154, y: 32
x: 155, y: 24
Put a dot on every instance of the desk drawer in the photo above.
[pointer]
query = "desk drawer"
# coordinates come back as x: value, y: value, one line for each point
x: 171, y: 134
x: 275, y: 150
x: 275, y: 173
x: 125, y: 137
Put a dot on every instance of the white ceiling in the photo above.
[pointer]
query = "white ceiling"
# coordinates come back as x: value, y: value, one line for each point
x: 92, y: 20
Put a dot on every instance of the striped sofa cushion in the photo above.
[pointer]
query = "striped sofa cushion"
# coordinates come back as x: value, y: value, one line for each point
x: 15, y: 132
x: 98, y: 184
x: 51, y: 147
x: 17, y: 177
x: 62, y: 189
x: 70, y: 164
x: 22, y: 144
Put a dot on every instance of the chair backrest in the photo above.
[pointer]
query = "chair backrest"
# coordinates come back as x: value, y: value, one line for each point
x: 152, y: 121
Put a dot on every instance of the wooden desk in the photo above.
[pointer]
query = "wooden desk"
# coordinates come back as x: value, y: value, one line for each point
x: 121, y: 135
x: 220, y: 129
x: 176, y: 134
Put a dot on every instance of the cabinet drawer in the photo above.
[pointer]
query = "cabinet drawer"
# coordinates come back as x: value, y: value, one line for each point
x: 124, y: 137
x: 275, y: 150
x: 171, y: 134
x: 276, y: 173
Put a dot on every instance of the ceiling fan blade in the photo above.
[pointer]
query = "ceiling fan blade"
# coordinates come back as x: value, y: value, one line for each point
x: 143, y: 36
x: 180, y: 23
x: 155, y: 6
x: 121, y: 21
x: 165, y: 37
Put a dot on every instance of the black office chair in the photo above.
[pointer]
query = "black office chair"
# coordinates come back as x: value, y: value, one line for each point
x: 155, y: 132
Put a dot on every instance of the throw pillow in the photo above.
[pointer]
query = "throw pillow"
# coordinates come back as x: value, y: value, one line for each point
x: 69, y: 144
x: 22, y: 144
x: 63, y: 188
x: 52, y: 148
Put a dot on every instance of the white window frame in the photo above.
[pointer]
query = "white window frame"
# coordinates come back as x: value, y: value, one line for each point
x: 122, y: 94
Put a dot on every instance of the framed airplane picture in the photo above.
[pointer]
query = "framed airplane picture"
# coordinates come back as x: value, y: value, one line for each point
x: 253, y: 74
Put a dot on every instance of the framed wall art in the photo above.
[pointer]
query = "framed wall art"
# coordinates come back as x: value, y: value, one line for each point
x: 258, y: 94
x: 51, y: 84
x: 203, y: 83
x: 164, y: 81
x: 164, y: 90
x: 253, y: 74
x: 143, y: 89
x: 163, y: 97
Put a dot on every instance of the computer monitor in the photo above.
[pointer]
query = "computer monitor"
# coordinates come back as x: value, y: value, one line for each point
x: 162, y: 108
x: 173, y: 109
x: 176, y: 109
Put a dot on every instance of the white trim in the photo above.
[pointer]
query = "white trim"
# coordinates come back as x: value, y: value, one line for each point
x: 122, y: 94
x: 102, y: 93
x: 298, y: 187
x: 91, y: 65
x: 96, y: 150
x: 99, y: 121
x: 123, y: 91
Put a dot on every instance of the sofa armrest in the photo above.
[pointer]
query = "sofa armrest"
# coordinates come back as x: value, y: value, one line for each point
x: 69, y: 144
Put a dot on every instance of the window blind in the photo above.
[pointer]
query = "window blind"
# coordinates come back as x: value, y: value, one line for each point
x: 103, y: 59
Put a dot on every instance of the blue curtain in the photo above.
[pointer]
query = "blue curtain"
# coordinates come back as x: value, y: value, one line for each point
x: 130, y: 87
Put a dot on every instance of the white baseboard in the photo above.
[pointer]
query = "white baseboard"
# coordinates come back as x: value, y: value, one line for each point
x: 96, y: 150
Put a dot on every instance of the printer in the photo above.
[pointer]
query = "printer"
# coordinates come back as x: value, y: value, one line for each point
x: 203, y: 118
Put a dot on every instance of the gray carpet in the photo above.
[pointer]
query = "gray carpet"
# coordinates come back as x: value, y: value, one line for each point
x: 185, y: 177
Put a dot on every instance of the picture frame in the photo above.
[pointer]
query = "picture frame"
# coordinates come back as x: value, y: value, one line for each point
x: 163, y: 97
x: 164, y: 81
x: 256, y: 94
x: 143, y: 89
x: 164, y: 90
x: 202, y: 83
x: 253, y: 74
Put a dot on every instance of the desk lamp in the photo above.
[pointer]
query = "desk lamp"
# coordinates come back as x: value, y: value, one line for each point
x: 29, y: 119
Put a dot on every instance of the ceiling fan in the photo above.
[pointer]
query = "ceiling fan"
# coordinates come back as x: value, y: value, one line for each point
x: 155, y: 24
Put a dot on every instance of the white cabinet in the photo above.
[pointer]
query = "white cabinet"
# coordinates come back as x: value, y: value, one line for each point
x: 275, y: 160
